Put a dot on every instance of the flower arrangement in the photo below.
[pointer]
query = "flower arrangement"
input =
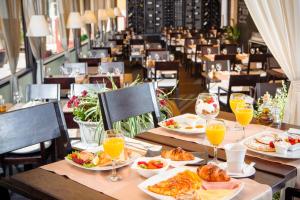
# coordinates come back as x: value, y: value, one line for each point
x: 86, y: 108
x: 279, y: 101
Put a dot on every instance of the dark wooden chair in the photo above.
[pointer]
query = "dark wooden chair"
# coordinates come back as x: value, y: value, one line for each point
x: 163, y: 54
x: 32, y: 126
x: 292, y: 193
x: 65, y: 82
x: 274, y: 71
x: 81, y: 67
x: 263, y: 88
x: 229, y: 57
x: 248, y: 81
x: 48, y: 92
x: 257, y: 58
x: 106, y: 51
x: 91, y: 62
x: 231, y: 48
x: 128, y: 102
x: 110, y: 67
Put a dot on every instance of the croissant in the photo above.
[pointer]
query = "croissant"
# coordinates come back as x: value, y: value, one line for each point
x: 212, y: 173
x: 177, y: 154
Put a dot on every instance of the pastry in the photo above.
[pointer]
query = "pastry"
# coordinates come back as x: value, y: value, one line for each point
x: 255, y: 145
x: 212, y: 173
x: 177, y: 154
x: 181, y: 183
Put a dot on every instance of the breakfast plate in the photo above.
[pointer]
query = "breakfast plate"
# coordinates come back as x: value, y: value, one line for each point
x: 272, y: 144
x: 99, y: 161
x: 150, y: 182
x: 185, y: 124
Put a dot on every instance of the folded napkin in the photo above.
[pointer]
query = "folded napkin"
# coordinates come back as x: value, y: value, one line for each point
x: 230, y: 185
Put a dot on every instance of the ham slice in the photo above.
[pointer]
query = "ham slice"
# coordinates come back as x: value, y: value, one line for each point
x: 229, y: 185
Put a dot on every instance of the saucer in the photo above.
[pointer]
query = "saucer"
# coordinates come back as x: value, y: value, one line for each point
x: 249, y: 172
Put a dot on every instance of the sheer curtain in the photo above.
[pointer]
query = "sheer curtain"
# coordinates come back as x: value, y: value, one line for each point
x: 10, y: 29
x: 278, y: 23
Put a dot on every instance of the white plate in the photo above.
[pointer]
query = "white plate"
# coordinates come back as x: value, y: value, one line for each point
x: 251, y: 171
x: 289, y: 155
x: 109, y: 167
x: 171, y: 173
x: 183, y: 163
x: 184, y: 121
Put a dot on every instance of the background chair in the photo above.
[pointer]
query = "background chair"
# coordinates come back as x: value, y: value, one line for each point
x: 48, y: 92
x: 255, y: 59
x: 128, y: 102
x: 32, y: 127
x: 161, y: 55
x: 73, y: 68
x: 237, y: 83
x: 64, y: 82
x: 100, y: 52
x: 110, y: 67
x: 231, y: 48
x: 229, y: 57
x: 77, y: 89
x: 263, y: 88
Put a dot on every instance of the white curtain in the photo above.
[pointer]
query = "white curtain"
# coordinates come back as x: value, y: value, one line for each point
x: 278, y: 23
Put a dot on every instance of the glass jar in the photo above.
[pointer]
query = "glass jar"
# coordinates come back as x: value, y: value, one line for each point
x: 2, y: 105
x: 266, y: 116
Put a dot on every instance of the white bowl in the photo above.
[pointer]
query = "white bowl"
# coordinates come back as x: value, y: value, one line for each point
x: 281, y: 147
x: 150, y: 172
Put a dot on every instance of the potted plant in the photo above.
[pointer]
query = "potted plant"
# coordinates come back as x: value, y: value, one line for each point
x: 233, y: 33
x: 86, y: 111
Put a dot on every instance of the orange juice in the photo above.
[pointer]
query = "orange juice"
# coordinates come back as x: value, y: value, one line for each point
x: 244, y: 116
x: 215, y: 133
x: 113, y: 147
x: 234, y: 102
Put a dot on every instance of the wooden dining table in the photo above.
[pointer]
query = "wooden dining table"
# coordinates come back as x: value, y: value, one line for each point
x: 42, y: 184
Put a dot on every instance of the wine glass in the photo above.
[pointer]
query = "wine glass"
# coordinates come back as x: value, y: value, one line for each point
x: 207, y: 106
x: 17, y: 97
x: 235, y: 99
x: 244, y: 115
x: 224, y: 51
x: 239, y: 50
x: 238, y: 68
x: 208, y: 51
x: 215, y: 133
x: 113, y: 145
x: 252, y: 51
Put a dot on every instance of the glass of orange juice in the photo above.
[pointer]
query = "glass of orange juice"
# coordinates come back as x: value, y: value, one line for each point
x: 236, y: 98
x: 244, y: 115
x: 113, y: 145
x: 215, y: 133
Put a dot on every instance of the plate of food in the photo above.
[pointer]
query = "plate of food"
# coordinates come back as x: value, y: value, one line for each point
x: 207, y: 182
x: 282, y: 145
x: 187, y: 124
x: 99, y: 161
x: 178, y: 157
x: 149, y: 166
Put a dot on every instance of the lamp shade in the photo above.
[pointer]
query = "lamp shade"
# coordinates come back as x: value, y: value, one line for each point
x: 89, y: 17
x: 110, y: 12
x: 102, y: 15
x: 38, y: 26
x: 117, y: 12
x: 74, y: 20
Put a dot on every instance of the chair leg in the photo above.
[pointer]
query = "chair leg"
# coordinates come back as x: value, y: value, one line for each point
x: 4, y: 194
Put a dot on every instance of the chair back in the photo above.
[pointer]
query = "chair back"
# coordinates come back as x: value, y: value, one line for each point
x: 272, y: 62
x: 77, y: 89
x: 262, y: 88
x: 158, y: 55
x: 80, y: 67
x: 212, y: 41
x: 257, y: 58
x: 229, y: 57
x: 136, y: 42
x: 110, y: 67
x: 153, y: 46
x: 33, y: 125
x: 50, y: 92
x: 100, y: 52
x: 128, y: 102
x: 213, y: 50
x: 167, y: 66
x: 64, y: 82
x: 110, y: 44
x: 231, y: 48
x: 243, y: 80
x: 223, y: 65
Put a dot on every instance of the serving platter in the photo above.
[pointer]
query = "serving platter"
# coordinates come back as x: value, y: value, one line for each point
x: 171, y: 173
x: 187, y: 124
x: 295, y: 154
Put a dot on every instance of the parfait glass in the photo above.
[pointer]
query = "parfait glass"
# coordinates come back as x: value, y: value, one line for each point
x: 215, y: 133
x: 207, y: 106
x: 244, y: 115
x: 113, y: 145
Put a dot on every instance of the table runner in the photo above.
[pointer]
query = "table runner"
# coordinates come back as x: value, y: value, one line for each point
x: 232, y: 136
x: 127, y: 188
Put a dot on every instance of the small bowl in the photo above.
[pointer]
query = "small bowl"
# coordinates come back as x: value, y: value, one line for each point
x: 281, y: 147
x: 150, y: 172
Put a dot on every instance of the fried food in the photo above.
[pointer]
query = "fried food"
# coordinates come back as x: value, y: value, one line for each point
x: 212, y: 173
x: 177, y: 154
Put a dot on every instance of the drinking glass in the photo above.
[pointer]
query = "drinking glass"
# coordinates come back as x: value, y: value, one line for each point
x: 235, y: 99
x: 215, y: 133
x: 239, y: 50
x: 244, y: 115
x: 207, y: 106
x: 208, y: 51
x: 113, y: 145
x: 17, y: 97
x: 238, y: 68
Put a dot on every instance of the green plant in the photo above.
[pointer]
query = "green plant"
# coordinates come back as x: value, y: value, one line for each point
x: 86, y: 108
x: 83, y: 37
x: 233, y: 33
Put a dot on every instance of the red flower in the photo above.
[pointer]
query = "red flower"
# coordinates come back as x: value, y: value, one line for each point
x: 76, y: 102
x: 73, y: 98
x: 84, y: 93
x: 163, y: 102
x: 69, y: 104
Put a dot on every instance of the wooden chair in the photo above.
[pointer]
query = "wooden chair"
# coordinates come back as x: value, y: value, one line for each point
x: 257, y: 58
x: 48, y: 92
x: 65, y: 82
x: 248, y: 81
x: 163, y: 55
x: 100, y: 52
x: 128, y: 102
x: 77, y: 89
x: 110, y: 67
x: 81, y: 67
x: 292, y: 193
x: 229, y: 57
x: 29, y: 127
x: 231, y: 48
x: 91, y: 62
x: 263, y: 88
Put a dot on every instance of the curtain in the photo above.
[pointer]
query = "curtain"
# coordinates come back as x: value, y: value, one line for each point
x: 278, y: 24
x: 37, y: 45
x: 10, y: 29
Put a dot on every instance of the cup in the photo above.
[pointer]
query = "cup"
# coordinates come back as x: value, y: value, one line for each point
x: 235, y: 154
